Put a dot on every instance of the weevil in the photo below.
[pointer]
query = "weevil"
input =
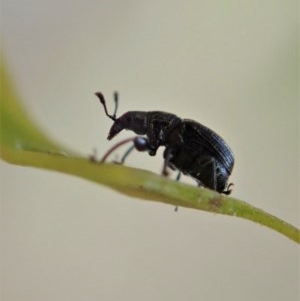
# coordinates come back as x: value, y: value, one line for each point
x: 190, y: 147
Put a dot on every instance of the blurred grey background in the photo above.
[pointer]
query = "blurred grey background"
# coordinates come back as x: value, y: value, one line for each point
x: 231, y: 65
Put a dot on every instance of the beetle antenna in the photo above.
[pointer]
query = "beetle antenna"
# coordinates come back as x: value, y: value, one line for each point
x: 116, y: 99
x: 102, y: 100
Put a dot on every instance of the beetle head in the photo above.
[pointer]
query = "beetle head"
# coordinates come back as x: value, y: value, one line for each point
x: 133, y: 120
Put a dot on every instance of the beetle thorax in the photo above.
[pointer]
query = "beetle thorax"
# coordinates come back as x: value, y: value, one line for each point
x: 160, y: 124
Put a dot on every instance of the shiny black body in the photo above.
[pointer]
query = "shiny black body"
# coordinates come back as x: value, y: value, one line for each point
x: 190, y: 147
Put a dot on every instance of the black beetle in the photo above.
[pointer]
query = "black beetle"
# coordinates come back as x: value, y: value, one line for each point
x: 190, y: 147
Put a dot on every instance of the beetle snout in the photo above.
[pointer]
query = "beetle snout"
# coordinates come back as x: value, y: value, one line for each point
x: 116, y: 128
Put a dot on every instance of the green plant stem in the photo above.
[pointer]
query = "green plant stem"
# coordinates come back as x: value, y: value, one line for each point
x: 142, y: 184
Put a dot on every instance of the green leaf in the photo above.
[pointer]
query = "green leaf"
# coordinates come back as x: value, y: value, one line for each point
x: 23, y: 143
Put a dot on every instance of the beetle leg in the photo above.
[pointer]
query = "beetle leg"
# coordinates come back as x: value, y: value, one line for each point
x: 127, y: 153
x: 167, y: 156
x: 114, y: 148
x: 207, y: 173
x: 178, y: 176
x: 140, y: 144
